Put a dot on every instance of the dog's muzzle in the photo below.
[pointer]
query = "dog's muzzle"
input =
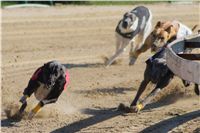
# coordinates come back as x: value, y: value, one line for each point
x: 125, y: 24
x: 153, y: 48
x: 50, y: 82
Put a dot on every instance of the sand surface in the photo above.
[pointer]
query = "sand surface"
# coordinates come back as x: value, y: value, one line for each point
x: 79, y: 37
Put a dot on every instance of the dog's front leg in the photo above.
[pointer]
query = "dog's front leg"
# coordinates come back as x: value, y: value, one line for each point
x: 142, y: 87
x: 148, y: 99
x: 139, y: 40
x: 197, y: 89
x: 139, y: 92
x: 134, y: 53
x: 35, y: 110
x: 23, y: 107
x: 117, y: 53
x: 41, y: 104
x: 140, y: 50
x: 160, y: 85
x: 118, y: 44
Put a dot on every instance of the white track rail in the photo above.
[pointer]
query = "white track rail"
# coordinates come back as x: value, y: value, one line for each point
x: 26, y: 5
x: 186, y: 69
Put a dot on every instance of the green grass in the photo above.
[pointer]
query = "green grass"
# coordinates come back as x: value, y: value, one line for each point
x: 7, y: 3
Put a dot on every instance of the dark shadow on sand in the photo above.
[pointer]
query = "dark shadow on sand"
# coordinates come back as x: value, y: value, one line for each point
x: 91, y: 65
x: 164, y: 101
x: 106, y: 91
x: 98, y: 116
x: 157, y: 104
x: 168, y: 124
x: 9, y: 122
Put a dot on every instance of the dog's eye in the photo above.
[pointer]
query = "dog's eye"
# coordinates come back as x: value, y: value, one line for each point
x: 154, y: 35
x: 162, y: 38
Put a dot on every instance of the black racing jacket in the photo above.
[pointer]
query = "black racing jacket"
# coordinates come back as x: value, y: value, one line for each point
x: 36, y: 81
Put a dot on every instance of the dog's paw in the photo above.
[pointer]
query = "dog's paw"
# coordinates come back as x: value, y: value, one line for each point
x: 132, y: 61
x: 132, y: 109
x: 105, y: 60
x: 18, y: 116
x: 23, y: 99
x: 139, y: 107
x: 31, y: 115
x: 124, y: 108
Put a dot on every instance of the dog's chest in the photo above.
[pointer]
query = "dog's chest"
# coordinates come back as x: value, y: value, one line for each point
x: 42, y: 92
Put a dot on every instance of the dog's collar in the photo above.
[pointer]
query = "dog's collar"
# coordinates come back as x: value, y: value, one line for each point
x: 125, y: 35
x: 156, y: 55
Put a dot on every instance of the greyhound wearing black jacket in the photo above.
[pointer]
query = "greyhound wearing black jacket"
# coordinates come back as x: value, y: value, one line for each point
x: 47, y: 83
x: 158, y: 73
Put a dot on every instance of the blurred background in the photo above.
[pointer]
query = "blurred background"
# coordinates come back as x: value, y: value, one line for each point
x: 53, y: 2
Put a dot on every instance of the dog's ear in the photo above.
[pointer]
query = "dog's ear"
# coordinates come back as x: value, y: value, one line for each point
x: 169, y: 29
x: 159, y: 23
x: 171, y: 32
x: 133, y: 17
x: 45, y: 65
x: 125, y: 14
x: 62, y: 72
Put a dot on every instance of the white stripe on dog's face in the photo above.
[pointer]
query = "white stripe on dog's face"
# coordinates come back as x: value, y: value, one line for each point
x: 135, y: 24
x: 128, y: 20
x: 143, y: 22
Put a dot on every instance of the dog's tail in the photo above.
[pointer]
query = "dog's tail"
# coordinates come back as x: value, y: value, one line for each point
x: 194, y: 27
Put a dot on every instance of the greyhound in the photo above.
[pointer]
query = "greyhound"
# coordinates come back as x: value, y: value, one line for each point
x: 47, y: 83
x: 132, y: 30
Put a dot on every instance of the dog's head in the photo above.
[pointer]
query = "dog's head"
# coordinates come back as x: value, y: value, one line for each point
x: 159, y: 69
x: 51, y: 72
x: 128, y: 20
x: 162, y: 34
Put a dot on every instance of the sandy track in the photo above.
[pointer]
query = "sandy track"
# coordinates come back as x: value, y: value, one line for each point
x: 79, y: 36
